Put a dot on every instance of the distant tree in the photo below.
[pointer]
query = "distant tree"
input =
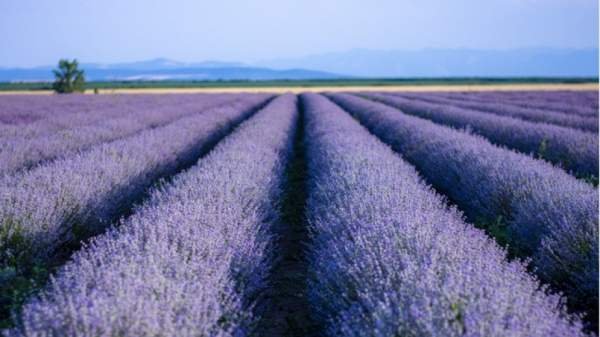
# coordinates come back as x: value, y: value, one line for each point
x: 68, y: 77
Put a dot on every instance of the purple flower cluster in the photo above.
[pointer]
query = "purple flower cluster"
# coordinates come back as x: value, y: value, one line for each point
x: 194, y: 253
x: 25, y: 109
x: 583, y: 103
x: 190, y: 260
x: 504, y: 108
x: 65, y: 200
x: 543, y: 212
x: 573, y: 150
x: 58, y: 112
x: 389, y: 258
x: 23, y: 152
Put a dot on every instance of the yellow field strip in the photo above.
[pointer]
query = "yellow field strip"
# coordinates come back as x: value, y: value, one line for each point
x: 282, y: 89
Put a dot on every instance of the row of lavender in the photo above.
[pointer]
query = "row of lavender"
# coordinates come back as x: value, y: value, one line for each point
x: 388, y: 257
x: 38, y: 144
x: 54, y: 113
x: 505, y: 108
x: 21, y: 110
x: 583, y: 103
x: 574, y: 150
x: 192, y: 259
x: 538, y: 210
x: 46, y: 211
x: 62, y: 114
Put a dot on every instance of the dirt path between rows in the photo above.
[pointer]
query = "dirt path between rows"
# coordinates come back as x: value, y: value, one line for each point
x: 287, y: 309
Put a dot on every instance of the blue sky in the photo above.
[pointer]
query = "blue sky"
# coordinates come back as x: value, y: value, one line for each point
x: 42, y: 31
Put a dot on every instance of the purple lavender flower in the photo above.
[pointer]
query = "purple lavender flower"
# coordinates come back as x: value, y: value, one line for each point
x: 529, y: 202
x: 505, y: 108
x: 27, y: 149
x: 389, y: 258
x: 69, y: 199
x: 582, y: 103
x: 574, y: 150
x: 191, y: 258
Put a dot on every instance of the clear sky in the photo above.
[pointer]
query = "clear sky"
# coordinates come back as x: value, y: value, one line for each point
x: 39, y: 32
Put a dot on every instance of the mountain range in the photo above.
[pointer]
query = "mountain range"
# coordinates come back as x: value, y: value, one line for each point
x: 357, y: 63
x: 165, y: 69
x: 526, y: 62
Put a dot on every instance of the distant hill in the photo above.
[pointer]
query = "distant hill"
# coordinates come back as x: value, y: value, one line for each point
x: 164, y: 63
x: 434, y: 63
x: 530, y: 62
x: 164, y: 69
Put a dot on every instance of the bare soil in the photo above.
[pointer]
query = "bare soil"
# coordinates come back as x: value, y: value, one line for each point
x: 287, y: 311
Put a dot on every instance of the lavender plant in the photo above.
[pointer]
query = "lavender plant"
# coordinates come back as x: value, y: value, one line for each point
x: 66, y: 112
x: 189, y: 261
x: 504, y: 108
x: 568, y: 103
x: 45, y: 114
x: 45, y: 211
x: 573, y: 150
x: 23, y: 152
x: 389, y: 258
x: 583, y: 103
x: 23, y: 110
x: 537, y: 209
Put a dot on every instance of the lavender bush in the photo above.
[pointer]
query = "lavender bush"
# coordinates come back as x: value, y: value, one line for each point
x: 571, y: 149
x: 25, y: 109
x: 66, y: 112
x: 19, y: 152
x: 54, y: 113
x: 56, y: 204
x: 504, y: 108
x: 584, y: 103
x: 190, y: 260
x: 390, y: 259
x: 537, y: 209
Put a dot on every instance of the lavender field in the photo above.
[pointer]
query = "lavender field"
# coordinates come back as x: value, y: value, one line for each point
x: 333, y: 214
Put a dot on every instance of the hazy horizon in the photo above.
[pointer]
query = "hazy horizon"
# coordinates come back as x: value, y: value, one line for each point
x: 261, y: 61
x: 38, y: 33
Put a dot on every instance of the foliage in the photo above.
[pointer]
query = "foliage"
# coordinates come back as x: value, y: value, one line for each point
x: 69, y: 78
x: 534, y: 110
x: 62, y: 202
x: 71, y: 129
x: 229, y: 215
x: 192, y: 259
x: 389, y: 258
x: 572, y: 149
x: 550, y: 215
